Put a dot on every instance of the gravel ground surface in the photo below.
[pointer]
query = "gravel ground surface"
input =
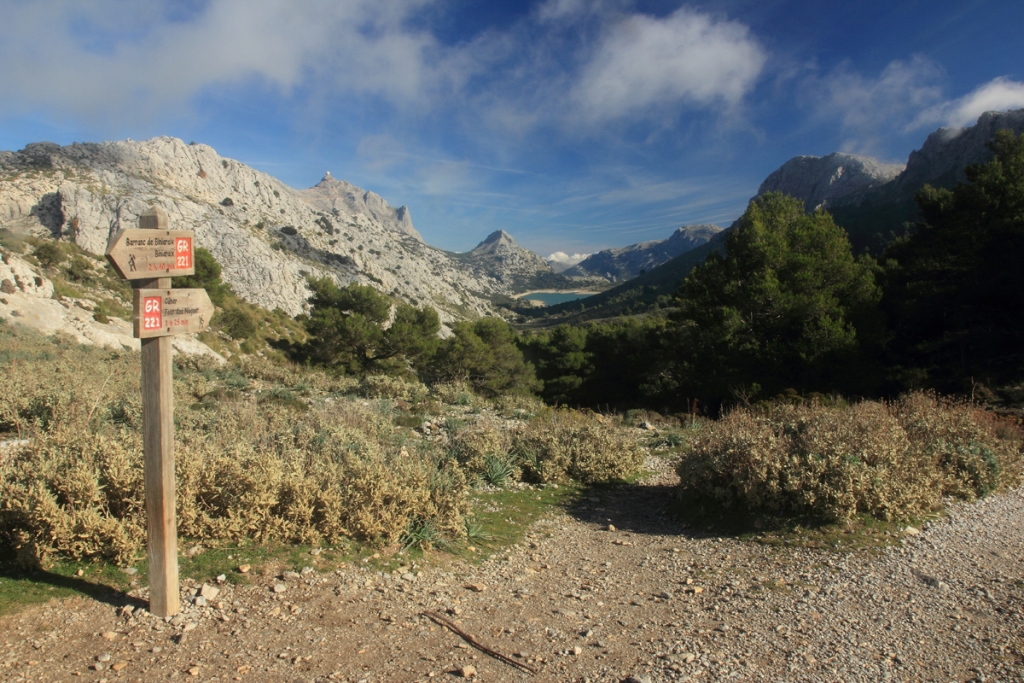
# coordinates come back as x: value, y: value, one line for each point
x: 614, y: 590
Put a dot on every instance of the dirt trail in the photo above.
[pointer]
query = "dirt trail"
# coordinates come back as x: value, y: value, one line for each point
x: 577, y: 601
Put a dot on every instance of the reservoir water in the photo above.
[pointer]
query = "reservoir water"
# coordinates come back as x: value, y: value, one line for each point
x: 552, y: 298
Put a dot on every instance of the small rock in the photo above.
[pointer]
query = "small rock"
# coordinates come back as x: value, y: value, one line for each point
x: 476, y: 587
x: 200, y: 601
x: 696, y: 590
x: 188, y: 627
x: 130, y: 571
x: 911, y: 531
x: 307, y: 571
x: 408, y: 576
x: 665, y: 595
x: 315, y: 551
x: 611, y: 527
x: 221, y: 578
x: 244, y: 569
x: 209, y: 592
x: 280, y: 588
x: 98, y: 666
x: 577, y: 650
x: 103, y: 658
x: 193, y: 671
x: 118, y: 666
x: 108, y: 635
x: 467, y: 671
x: 126, y: 610
x: 290, y: 576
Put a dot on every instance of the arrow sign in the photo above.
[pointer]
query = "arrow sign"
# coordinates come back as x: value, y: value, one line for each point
x: 163, y: 312
x: 138, y: 254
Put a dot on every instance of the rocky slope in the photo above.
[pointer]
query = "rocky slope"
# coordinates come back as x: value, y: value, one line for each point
x: 820, y: 181
x: 266, y: 235
x: 629, y: 262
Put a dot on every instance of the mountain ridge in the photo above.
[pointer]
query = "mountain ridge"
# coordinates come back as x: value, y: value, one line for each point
x: 627, y: 262
x: 267, y: 236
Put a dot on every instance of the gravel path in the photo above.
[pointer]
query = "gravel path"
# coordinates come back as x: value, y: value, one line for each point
x: 642, y: 600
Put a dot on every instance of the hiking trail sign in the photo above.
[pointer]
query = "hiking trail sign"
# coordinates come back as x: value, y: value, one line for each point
x: 138, y: 254
x: 163, y: 312
x: 150, y: 256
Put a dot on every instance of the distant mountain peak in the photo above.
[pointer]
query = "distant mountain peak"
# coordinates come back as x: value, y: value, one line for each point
x: 625, y: 263
x: 332, y: 194
x: 499, y: 236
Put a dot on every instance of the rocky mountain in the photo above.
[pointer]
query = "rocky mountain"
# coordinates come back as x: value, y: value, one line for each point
x: 628, y: 262
x: 500, y: 257
x: 874, y: 201
x: 820, y: 181
x: 266, y: 235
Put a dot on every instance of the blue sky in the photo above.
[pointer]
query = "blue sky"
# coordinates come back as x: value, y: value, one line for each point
x: 573, y: 125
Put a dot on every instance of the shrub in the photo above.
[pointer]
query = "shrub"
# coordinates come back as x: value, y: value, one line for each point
x: 396, y: 388
x: 890, y: 461
x: 49, y: 254
x: 237, y: 323
x: 244, y: 470
x: 568, y: 444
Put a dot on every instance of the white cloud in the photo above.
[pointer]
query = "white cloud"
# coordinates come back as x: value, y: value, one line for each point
x: 870, y: 109
x: 644, y: 63
x: 560, y: 261
x: 999, y: 94
x: 72, y: 56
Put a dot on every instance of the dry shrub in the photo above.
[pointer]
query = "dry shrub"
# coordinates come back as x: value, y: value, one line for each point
x: 831, y: 463
x: 294, y: 376
x: 518, y: 405
x: 395, y: 388
x: 473, y: 444
x: 455, y: 393
x: 244, y: 471
x: 569, y: 444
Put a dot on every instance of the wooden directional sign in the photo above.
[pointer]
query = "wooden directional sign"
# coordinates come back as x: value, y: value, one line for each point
x: 163, y: 312
x: 138, y: 254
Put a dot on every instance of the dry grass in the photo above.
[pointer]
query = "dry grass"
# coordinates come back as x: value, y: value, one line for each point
x: 888, y: 460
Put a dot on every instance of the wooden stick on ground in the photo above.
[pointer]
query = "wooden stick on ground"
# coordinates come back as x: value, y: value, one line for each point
x: 447, y: 623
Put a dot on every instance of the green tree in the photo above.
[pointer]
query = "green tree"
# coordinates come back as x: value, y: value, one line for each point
x: 349, y: 329
x: 783, y: 308
x: 484, y: 354
x: 955, y: 291
x: 207, y: 276
x: 562, y: 362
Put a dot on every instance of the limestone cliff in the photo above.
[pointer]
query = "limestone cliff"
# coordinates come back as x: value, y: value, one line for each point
x: 266, y: 235
x: 820, y: 181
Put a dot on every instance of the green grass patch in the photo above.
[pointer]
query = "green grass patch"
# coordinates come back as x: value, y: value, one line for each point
x: 499, y: 519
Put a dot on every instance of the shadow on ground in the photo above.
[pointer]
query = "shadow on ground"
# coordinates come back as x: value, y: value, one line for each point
x: 637, y: 508
x: 40, y: 585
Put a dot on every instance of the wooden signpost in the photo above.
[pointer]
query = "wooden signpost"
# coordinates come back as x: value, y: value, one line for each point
x: 150, y: 256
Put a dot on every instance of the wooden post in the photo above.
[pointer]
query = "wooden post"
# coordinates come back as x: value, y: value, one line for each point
x: 158, y: 446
